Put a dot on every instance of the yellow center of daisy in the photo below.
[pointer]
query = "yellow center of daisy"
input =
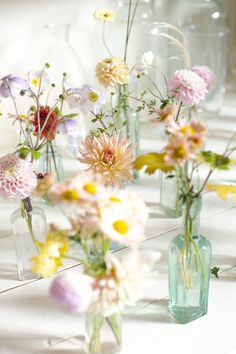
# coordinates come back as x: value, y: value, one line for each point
x: 114, y: 199
x: 70, y: 195
x: 121, y: 226
x: 90, y: 188
x: 35, y: 81
x: 93, y: 96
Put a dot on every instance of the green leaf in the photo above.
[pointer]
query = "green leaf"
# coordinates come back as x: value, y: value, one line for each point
x: 215, y: 271
x: 71, y: 115
x: 36, y: 154
x: 23, y: 152
x: 153, y: 161
x: 216, y: 161
x: 56, y: 110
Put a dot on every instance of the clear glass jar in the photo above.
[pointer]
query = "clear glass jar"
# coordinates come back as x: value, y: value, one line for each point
x: 170, y: 202
x: 205, y: 27
x: 102, y: 333
x: 51, y: 162
x: 29, y: 225
x: 189, y: 268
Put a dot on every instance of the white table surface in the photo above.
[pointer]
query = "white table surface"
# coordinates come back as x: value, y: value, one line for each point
x: 30, y: 323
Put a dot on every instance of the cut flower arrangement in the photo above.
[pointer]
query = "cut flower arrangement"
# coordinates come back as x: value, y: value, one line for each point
x: 98, y: 215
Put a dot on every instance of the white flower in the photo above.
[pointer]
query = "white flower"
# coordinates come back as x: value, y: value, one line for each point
x: 124, y: 281
x: 72, y: 97
x: 104, y: 15
x: 144, y: 62
x: 120, y: 224
x: 38, y: 79
x: 90, y: 100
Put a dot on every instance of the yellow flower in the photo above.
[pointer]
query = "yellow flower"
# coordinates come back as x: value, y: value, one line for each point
x: 104, y: 15
x: 59, y: 238
x: 112, y: 71
x: 44, y: 265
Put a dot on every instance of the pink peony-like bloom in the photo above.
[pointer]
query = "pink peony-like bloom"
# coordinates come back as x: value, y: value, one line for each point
x: 206, y: 74
x: 72, y: 291
x: 187, y: 86
x: 17, y: 178
x: 110, y: 156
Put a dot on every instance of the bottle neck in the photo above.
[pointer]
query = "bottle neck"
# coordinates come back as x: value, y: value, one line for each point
x: 191, y: 217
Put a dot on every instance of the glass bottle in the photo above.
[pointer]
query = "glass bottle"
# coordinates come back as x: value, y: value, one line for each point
x: 205, y: 27
x: 102, y: 333
x: 189, y: 267
x: 170, y: 202
x: 29, y: 225
x: 51, y: 162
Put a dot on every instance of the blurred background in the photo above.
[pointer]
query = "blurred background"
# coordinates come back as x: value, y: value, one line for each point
x: 64, y: 33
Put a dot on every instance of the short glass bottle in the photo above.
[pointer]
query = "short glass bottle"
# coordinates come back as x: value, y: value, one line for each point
x: 29, y: 225
x: 189, y: 267
x: 102, y: 333
x: 170, y: 202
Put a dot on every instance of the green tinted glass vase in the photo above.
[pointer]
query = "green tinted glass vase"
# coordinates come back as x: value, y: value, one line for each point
x: 189, y: 268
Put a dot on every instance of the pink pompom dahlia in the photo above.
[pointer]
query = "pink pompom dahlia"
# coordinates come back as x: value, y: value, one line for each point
x: 110, y: 156
x: 206, y: 74
x: 17, y: 178
x: 187, y: 86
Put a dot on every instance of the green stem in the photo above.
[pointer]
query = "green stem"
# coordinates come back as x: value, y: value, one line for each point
x: 54, y: 161
x: 28, y: 218
x: 115, y: 326
x: 104, y: 39
x: 95, y: 341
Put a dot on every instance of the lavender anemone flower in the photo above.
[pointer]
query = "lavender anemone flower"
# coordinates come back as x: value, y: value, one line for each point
x: 67, y: 125
x: 11, y: 86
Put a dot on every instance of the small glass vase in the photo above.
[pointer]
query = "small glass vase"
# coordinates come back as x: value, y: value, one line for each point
x: 51, y: 162
x: 170, y: 202
x: 102, y: 333
x: 189, y: 268
x: 29, y: 225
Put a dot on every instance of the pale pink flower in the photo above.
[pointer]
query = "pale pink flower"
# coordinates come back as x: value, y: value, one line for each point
x: 187, y: 86
x: 207, y: 74
x: 186, y: 141
x: 167, y: 113
x: 17, y: 178
x: 72, y: 291
x: 110, y: 156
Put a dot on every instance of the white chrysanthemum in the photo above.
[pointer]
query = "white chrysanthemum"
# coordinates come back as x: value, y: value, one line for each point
x: 104, y: 15
x: 124, y: 281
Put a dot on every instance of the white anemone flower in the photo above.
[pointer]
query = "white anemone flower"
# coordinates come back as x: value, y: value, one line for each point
x: 90, y: 100
x: 38, y: 80
x: 144, y: 62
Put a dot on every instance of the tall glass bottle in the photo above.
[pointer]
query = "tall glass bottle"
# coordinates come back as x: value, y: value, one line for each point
x: 170, y: 202
x: 29, y: 225
x: 51, y: 162
x: 189, y: 267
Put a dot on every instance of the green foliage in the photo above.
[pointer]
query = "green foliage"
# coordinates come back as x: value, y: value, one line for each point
x: 216, y: 161
x: 215, y: 271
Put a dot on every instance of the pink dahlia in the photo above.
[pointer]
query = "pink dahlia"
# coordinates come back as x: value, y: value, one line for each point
x: 187, y: 86
x: 110, y: 156
x: 17, y: 178
x: 206, y: 74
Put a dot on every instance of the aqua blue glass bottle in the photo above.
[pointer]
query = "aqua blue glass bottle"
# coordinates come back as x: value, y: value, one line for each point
x: 189, y: 268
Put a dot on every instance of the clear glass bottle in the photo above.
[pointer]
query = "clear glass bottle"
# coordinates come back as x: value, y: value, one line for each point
x: 205, y: 27
x: 189, y: 268
x: 51, y: 162
x: 170, y: 202
x: 29, y: 225
x: 102, y: 333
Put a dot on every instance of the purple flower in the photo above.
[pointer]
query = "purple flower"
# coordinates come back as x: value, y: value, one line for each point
x: 11, y: 85
x: 206, y: 74
x: 187, y: 86
x: 67, y: 125
x: 72, y: 291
